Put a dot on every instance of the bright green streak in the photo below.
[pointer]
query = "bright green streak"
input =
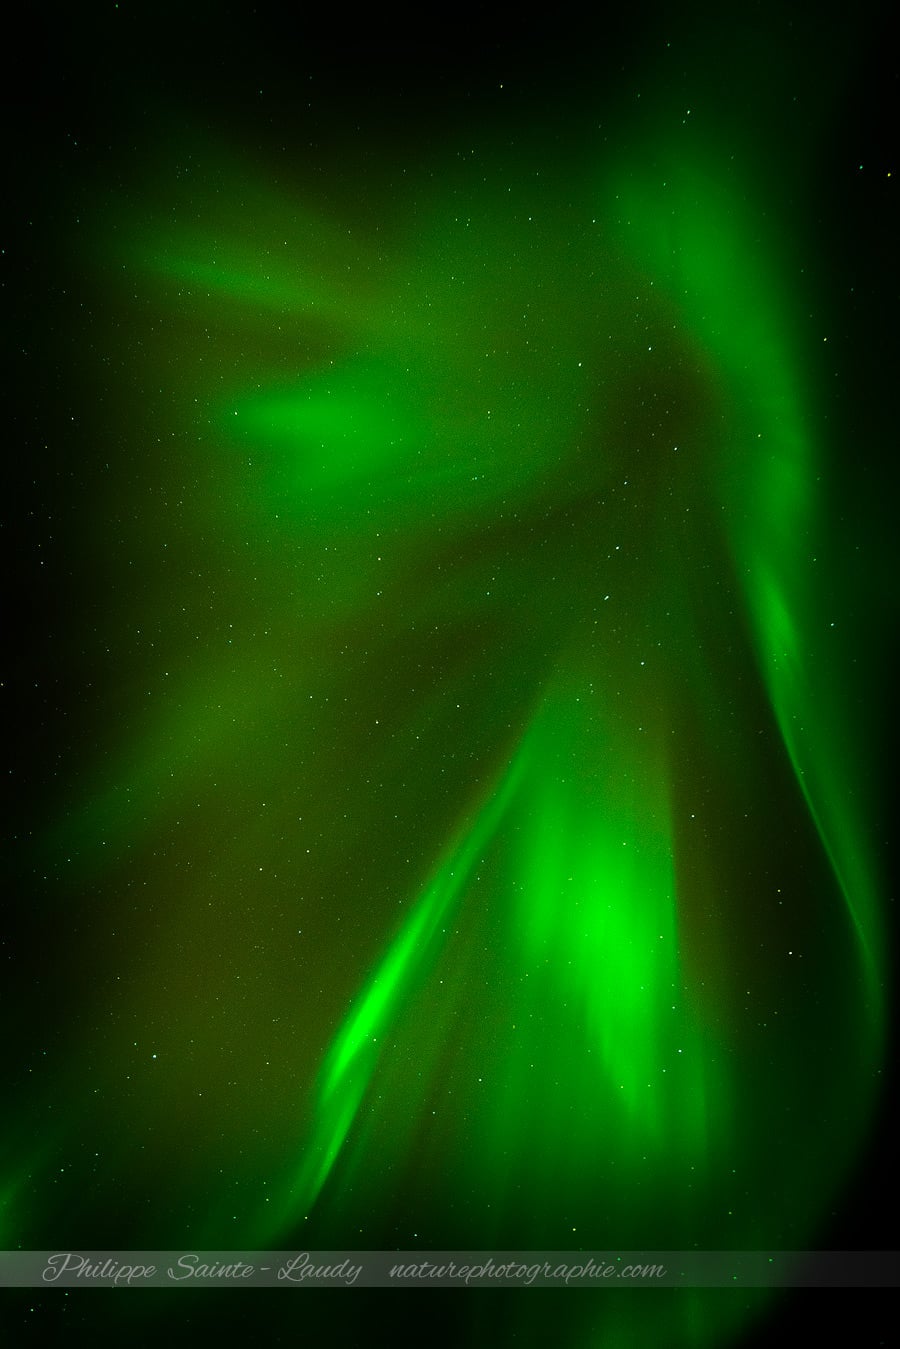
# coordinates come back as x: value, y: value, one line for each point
x: 352, y: 1061
x: 599, y: 930
x: 600, y: 1047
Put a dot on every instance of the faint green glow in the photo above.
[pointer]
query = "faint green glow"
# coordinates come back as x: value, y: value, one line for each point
x: 337, y: 434
x: 9, y: 1191
x: 235, y: 279
x: 183, y: 740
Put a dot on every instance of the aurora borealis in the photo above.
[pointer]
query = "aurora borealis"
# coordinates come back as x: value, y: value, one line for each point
x: 450, y: 799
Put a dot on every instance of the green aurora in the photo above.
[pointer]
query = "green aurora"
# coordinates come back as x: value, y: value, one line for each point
x: 470, y: 847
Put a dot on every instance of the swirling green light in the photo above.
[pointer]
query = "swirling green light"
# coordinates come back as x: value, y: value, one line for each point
x: 497, y: 547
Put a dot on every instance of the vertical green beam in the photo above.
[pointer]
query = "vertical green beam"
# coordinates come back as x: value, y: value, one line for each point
x: 694, y: 235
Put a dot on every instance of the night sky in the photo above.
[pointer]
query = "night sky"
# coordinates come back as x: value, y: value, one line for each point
x: 451, y: 602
